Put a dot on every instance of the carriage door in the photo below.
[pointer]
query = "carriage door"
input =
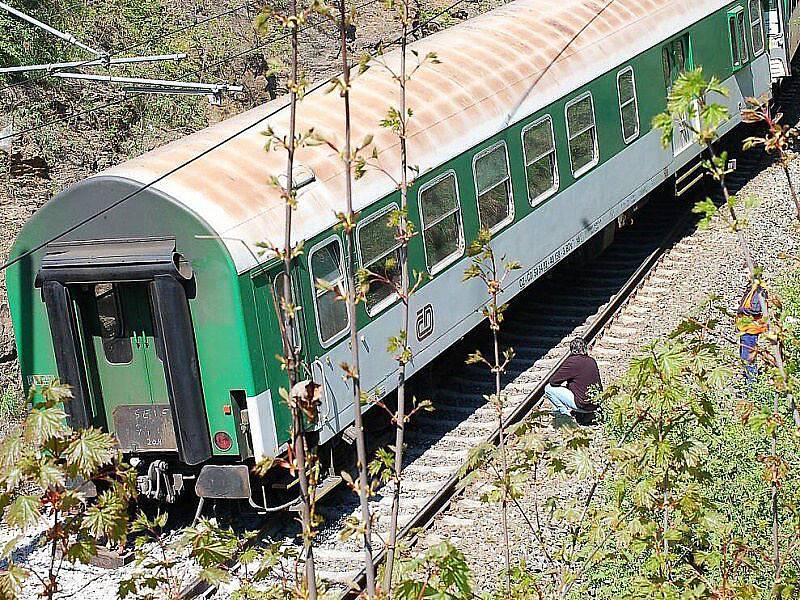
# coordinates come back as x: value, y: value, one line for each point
x: 308, y: 369
x: 676, y: 60
x: 268, y: 292
x: 792, y: 30
x: 127, y: 374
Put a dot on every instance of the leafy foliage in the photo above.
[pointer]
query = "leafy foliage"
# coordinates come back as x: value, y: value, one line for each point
x: 11, y: 404
x: 777, y: 140
x: 161, y: 573
x: 46, y: 470
x: 441, y: 573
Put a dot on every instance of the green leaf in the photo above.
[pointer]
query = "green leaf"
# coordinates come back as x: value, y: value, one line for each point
x: 11, y: 451
x: 10, y: 546
x: 107, y: 518
x: 82, y: 551
x: 90, y: 450
x: 44, y: 424
x: 50, y: 474
x: 214, y: 575
x: 210, y: 544
x: 11, y: 580
x: 707, y: 209
x: 127, y: 587
x: 714, y: 115
x: 24, y: 512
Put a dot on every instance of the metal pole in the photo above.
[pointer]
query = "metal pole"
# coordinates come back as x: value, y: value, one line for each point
x: 94, y: 63
x: 182, y: 86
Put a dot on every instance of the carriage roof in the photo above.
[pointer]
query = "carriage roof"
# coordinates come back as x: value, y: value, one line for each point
x: 494, y: 70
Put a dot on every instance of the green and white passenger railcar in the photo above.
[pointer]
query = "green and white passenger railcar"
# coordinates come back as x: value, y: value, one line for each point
x: 159, y: 309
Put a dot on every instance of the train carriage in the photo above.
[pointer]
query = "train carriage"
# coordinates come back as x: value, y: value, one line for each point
x: 157, y: 306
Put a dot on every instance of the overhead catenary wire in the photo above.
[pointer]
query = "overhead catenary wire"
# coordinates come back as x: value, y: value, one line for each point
x: 116, y: 203
x: 81, y: 113
x: 156, y: 37
x: 513, y: 111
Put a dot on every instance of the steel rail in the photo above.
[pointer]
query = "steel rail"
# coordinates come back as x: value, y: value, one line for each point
x: 424, y: 517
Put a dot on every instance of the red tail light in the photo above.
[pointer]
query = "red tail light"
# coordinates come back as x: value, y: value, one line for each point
x: 223, y: 441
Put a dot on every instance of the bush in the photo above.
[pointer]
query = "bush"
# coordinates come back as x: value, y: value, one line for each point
x: 47, y: 470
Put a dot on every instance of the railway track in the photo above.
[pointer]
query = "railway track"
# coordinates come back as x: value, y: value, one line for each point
x: 633, y: 272
x: 539, y: 332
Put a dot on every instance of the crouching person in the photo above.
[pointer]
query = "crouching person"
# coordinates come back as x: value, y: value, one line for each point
x: 568, y: 388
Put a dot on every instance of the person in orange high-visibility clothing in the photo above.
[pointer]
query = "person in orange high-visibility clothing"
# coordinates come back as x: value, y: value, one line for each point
x: 751, y: 321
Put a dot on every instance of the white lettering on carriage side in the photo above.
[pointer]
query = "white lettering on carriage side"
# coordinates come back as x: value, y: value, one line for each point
x: 529, y: 276
x: 151, y: 435
x: 144, y: 427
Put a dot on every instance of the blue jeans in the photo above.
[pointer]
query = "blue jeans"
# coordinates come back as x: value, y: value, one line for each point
x: 748, y: 343
x: 561, y: 398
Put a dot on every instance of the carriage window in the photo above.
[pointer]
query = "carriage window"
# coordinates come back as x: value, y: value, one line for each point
x: 117, y: 346
x: 541, y: 169
x: 277, y: 289
x: 582, y: 134
x: 628, y: 106
x: 441, y: 222
x: 738, y: 43
x: 756, y: 31
x: 493, y: 186
x: 380, y: 254
x: 326, y: 267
